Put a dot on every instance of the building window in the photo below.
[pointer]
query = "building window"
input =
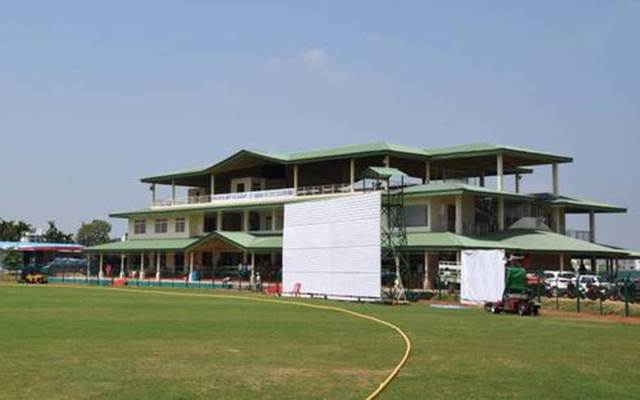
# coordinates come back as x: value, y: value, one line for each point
x: 139, y: 227
x: 161, y: 225
x: 180, y: 225
x: 210, y: 223
x: 240, y: 187
x: 417, y: 215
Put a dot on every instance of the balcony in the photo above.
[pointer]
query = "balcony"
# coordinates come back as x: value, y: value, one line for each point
x: 578, y: 234
x: 256, y: 196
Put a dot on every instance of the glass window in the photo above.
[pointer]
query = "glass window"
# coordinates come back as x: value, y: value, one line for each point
x: 180, y: 225
x: 161, y: 225
x: 240, y: 187
x: 210, y: 223
x: 139, y: 227
x: 417, y: 215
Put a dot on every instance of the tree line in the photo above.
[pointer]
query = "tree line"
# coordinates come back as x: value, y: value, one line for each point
x: 89, y: 233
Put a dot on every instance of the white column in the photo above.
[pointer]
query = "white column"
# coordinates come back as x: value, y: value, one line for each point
x: 561, y: 262
x: 458, y: 225
x: 101, y: 271
x: 500, y: 172
x: 158, y: 266
x: 426, y: 281
x: 592, y: 226
x: 245, y: 220
x: 219, y: 221
x: 142, y: 266
x: 173, y: 192
x: 295, y: 178
x: 274, y: 215
x: 517, y: 177
x: 500, y: 213
x: 555, y: 179
x: 427, y: 172
x: 122, y: 257
x: 190, y: 265
x: 556, y: 220
x: 253, y: 271
x: 352, y: 174
x: 386, y: 161
x: 153, y: 194
x: 213, y: 185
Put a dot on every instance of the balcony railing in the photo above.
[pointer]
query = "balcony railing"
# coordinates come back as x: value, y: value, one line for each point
x: 338, y: 188
x: 577, y: 234
x: 341, y: 188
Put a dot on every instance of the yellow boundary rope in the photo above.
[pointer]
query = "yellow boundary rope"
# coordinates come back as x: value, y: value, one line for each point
x: 382, y: 386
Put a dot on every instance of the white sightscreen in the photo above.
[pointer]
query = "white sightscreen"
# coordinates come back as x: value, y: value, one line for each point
x: 482, y: 276
x: 332, y: 246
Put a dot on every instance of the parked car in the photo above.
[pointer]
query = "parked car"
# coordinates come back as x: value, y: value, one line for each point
x: 585, y: 281
x: 592, y: 287
x: 557, y: 282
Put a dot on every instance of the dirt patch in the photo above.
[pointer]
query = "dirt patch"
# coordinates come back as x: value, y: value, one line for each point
x: 546, y: 312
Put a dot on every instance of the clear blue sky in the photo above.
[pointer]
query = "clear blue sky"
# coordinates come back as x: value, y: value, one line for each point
x: 94, y: 96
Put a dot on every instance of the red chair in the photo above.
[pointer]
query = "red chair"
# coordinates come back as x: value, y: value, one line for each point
x: 273, y: 289
x: 120, y: 282
x: 296, y: 289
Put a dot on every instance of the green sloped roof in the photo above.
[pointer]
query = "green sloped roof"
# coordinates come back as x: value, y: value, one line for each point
x: 634, y: 255
x: 573, y: 205
x: 382, y: 172
x: 448, y: 240
x: 299, y: 157
x: 358, y: 149
x: 525, y: 240
x: 470, y: 150
x: 132, y: 245
x: 482, y: 149
x: 548, y: 242
x: 243, y: 240
x: 248, y: 241
x: 452, y: 188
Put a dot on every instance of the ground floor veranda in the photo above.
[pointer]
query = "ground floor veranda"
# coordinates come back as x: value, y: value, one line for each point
x: 243, y: 257
x: 232, y: 256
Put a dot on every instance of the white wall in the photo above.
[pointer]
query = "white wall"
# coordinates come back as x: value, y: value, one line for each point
x: 150, y: 227
x: 332, y: 246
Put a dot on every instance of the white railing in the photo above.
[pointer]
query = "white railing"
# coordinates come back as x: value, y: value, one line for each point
x: 338, y: 188
x: 332, y: 189
x: 257, y: 195
x: 578, y: 234
x: 204, y: 199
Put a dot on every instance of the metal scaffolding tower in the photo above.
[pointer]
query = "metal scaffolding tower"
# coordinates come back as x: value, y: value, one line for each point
x: 393, y: 225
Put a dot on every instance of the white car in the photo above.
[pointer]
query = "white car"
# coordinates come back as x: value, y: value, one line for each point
x: 558, y: 279
x: 591, y: 280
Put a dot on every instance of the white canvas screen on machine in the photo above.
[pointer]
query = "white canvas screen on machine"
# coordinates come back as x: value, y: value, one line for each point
x: 482, y: 276
x: 332, y: 246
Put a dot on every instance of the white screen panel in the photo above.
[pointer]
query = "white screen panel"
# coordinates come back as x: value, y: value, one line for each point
x: 332, y: 246
x: 482, y: 276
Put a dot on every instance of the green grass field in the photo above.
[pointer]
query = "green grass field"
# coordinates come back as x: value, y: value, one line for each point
x: 73, y: 343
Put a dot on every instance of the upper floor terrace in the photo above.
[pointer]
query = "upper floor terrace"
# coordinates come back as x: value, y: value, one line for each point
x: 253, y: 176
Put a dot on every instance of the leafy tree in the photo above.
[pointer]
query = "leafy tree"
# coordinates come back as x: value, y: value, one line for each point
x: 55, y: 235
x: 12, y: 259
x: 94, y: 233
x: 11, y: 231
